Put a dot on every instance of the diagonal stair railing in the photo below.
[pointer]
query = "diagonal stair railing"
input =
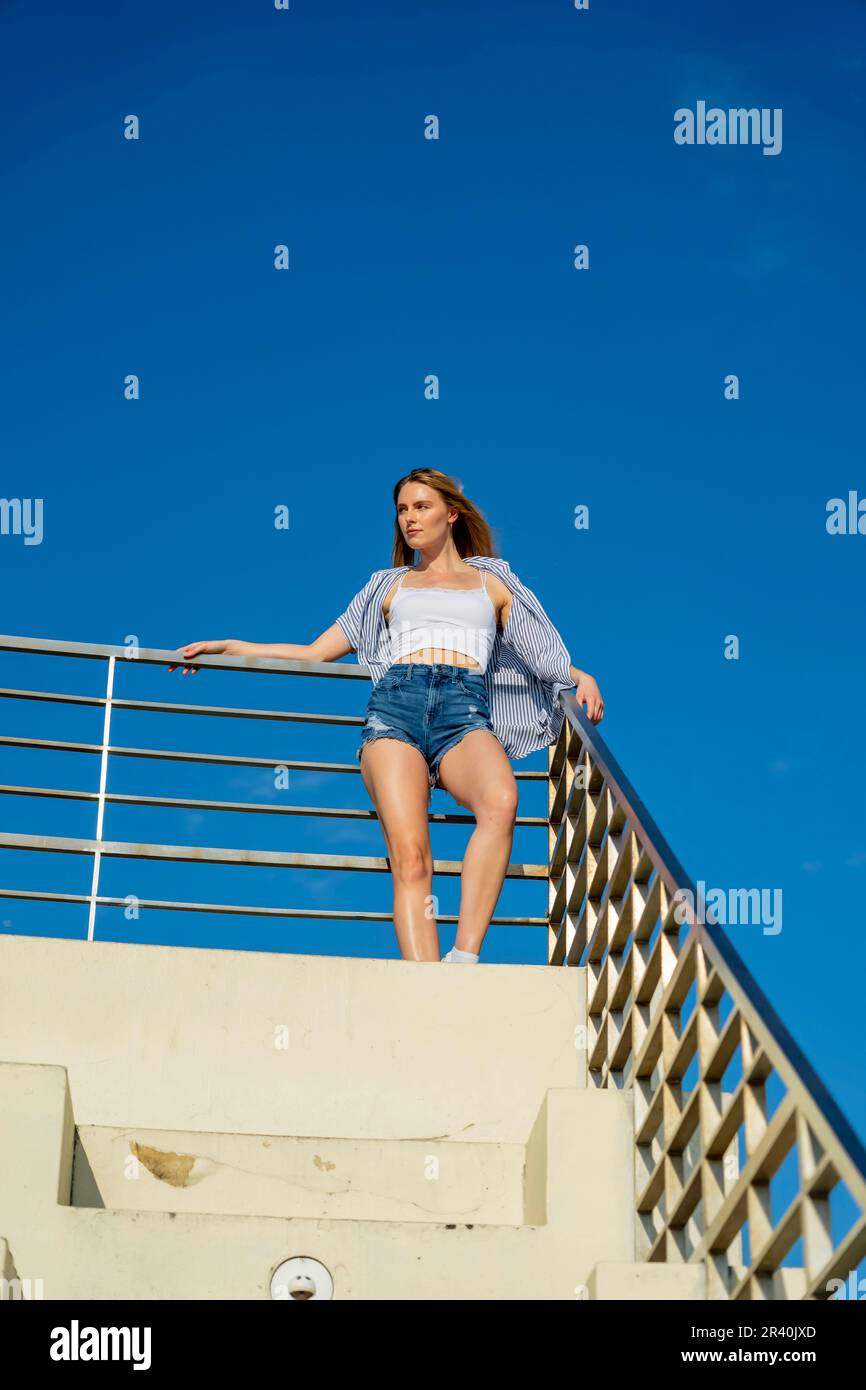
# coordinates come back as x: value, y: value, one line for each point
x: 674, y: 1014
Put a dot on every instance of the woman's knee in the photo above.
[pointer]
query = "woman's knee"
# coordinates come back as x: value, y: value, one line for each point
x: 497, y: 802
x: 411, y: 860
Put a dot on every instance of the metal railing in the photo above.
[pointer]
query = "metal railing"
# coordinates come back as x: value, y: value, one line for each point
x: 98, y: 848
x: 670, y: 1000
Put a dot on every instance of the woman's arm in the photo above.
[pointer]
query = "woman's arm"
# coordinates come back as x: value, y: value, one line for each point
x: 330, y: 646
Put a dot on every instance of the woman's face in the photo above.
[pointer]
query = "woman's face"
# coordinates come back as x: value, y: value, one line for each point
x: 422, y: 516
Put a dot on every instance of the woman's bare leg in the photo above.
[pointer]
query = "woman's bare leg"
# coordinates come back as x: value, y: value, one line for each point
x: 395, y: 775
x: 478, y: 775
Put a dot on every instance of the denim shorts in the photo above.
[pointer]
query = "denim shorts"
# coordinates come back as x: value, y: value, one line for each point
x: 429, y: 705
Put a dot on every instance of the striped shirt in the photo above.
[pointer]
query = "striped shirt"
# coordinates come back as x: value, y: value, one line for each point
x: 528, y: 667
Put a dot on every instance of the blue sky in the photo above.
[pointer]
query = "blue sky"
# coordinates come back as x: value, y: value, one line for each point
x: 558, y: 388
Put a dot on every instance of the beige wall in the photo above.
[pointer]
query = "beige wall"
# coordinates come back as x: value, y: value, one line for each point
x: 178, y: 1038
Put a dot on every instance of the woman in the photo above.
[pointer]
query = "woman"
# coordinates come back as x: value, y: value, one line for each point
x: 463, y: 681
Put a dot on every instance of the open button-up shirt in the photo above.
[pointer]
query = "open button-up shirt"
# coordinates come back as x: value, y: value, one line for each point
x: 529, y: 664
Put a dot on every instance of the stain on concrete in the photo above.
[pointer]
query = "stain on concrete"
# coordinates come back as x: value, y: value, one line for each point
x: 323, y: 1164
x: 168, y: 1167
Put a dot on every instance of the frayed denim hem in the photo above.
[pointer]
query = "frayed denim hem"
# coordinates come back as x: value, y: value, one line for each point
x: 401, y: 737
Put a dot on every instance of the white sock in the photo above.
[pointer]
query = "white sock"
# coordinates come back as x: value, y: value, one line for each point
x: 460, y: 957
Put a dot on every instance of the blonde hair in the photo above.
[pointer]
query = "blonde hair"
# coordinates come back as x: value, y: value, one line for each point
x: 470, y: 532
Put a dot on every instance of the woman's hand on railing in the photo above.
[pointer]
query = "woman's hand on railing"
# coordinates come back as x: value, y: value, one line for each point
x: 588, y: 693
x: 231, y: 646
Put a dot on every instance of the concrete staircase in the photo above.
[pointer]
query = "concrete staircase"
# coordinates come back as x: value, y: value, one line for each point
x: 177, y: 1123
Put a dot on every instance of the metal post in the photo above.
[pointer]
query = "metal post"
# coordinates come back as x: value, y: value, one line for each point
x: 100, y: 808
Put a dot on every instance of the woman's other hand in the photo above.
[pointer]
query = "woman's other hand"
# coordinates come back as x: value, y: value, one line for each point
x: 588, y: 693
x: 229, y: 647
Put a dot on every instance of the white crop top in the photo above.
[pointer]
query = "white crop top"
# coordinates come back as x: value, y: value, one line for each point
x: 448, y: 620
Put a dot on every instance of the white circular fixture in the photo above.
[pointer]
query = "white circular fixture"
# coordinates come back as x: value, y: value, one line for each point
x: 299, y: 1279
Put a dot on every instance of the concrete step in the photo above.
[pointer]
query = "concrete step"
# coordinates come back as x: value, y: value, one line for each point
x: 621, y: 1282
x: 577, y: 1210
x: 276, y: 1175
x: 256, y: 1043
x: 412, y: 1180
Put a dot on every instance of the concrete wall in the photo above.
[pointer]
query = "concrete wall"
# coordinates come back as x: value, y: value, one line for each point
x: 246, y: 1042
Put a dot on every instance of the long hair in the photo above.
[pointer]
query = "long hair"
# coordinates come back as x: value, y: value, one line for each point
x: 470, y: 532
